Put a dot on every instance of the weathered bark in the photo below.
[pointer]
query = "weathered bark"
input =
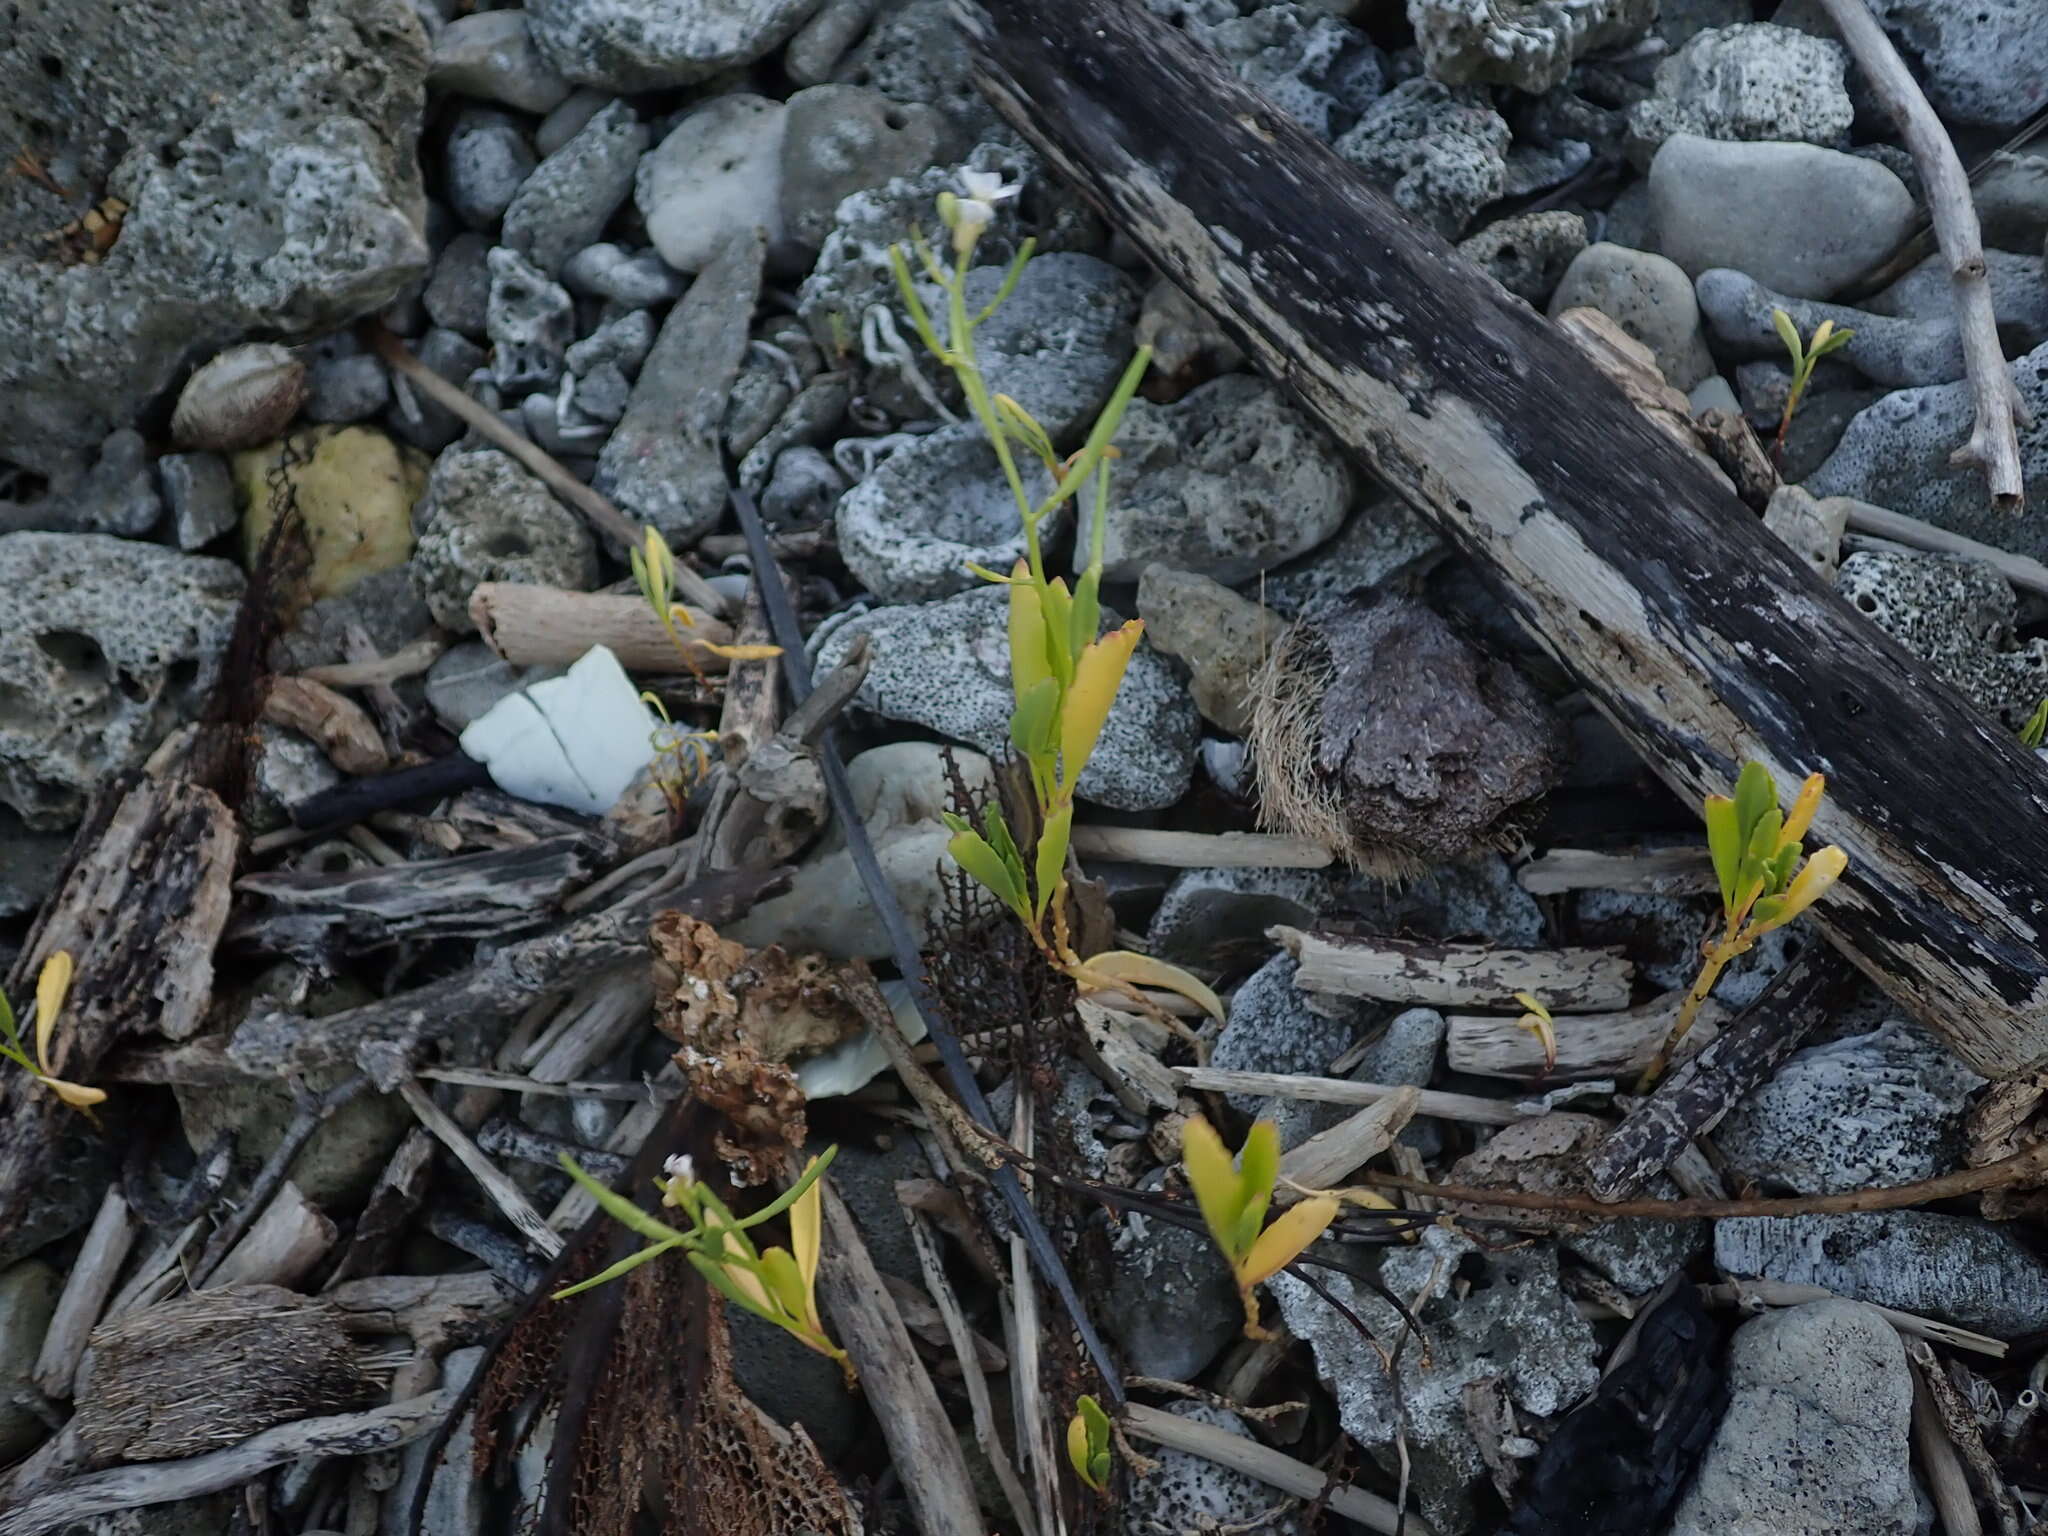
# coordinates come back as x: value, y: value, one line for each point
x: 1706, y: 641
x: 1424, y: 973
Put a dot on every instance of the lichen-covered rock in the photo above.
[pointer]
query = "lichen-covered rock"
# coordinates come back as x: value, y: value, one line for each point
x: 1529, y: 44
x: 1754, y: 81
x: 531, y: 322
x: 1896, y: 453
x: 1715, y: 203
x: 1965, y: 1271
x: 1060, y: 340
x: 1869, y: 1111
x: 1884, y: 349
x: 717, y: 174
x: 1957, y: 615
x: 1192, y: 1493
x: 913, y: 50
x: 1650, y: 298
x: 485, y: 159
x: 1272, y: 1028
x: 1171, y: 1304
x: 1228, y: 481
x: 1814, y: 1438
x: 486, y: 519
x: 108, y: 645
x: 1515, y: 1323
x: 354, y: 489
x: 1223, y: 639
x: 946, y: 666
x: 1439, y: 151
x: 570, y: 197
x: 843, y: 139
x: 1384, y: 542
x: 1527, y: 253
x: 648, y: 45
x: 268, y: 159
x: 1981, y: 62
x: 1383, y: 734
x: 1318, y: 69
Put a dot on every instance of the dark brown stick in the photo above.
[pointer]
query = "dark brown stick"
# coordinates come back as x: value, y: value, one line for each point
x: 1700, y: 634
x: 1691, y: 1101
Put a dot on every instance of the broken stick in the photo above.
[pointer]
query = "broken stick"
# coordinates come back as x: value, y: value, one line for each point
x: 1705, y: 640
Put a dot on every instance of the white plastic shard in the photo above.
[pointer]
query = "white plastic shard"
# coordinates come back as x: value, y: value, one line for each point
x: 854, y: 1063
x: 574, y: 741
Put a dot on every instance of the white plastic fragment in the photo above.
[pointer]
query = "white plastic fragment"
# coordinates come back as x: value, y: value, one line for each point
x: 575, y: 741
x: 854, y: 1063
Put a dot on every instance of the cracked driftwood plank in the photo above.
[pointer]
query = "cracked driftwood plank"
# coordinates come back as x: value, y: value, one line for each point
x: 1699, y: 634
x: 1588, y: 1044
x: 1422, y: 972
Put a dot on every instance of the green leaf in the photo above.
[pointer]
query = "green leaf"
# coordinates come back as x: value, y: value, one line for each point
x: 997, y: 830
x: 1035, y: 722
x: 955, y: 822
x: 1767, y: 909
x: 1052, y: 854
x: 794, y: 1193
x: 1023, y: 426
x: 1724, y: 842
x: 1009, y: 284
x: 2031, y: 735
x: 621, y: 1209
x: 1788, y: 333
x: 1059, y: 619
x: 1258, y: 1169
x: 1755, y: 793
x: 973, y: 853
x: 1086, y: 616
x: 1105, y: 428
x: 630, y: 1262
x: 722, y: 1282
x: 1834, y: 343
x: 1780, y: 867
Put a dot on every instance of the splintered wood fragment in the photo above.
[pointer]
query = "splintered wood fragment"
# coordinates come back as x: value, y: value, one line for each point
x: 1994, y: 439
x: 1588, y: 1044
x: 1200, y: 850
x: 163, y: 1482
x: 85, y: 1294
x: 1243, y: 1454
x: 503, y: 1193
x: 1663, y: 872
x: 287, y: 1240
x: 1703, y: 637
x: 407, y: 661
x: 434, y: 1311
x: 893, y: 1379
x: 337, y: 725
x: 1424, y: 972
x: 1141, y: 1082
x: 1693, y: 1097
x: 1329, y: 1157
x: 1468, y: 1107
x: 550, y: 627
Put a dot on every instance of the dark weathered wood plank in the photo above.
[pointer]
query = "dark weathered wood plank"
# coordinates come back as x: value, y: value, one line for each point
x: 1704, y: 639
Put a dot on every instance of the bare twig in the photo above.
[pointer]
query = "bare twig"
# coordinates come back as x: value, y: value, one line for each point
x: 1941, y: 1464
x: 86, y: 1289
x: 408, y: 661
x: 1199, y: 850
x: 503, y: 1193
x: 550, y: 626
x: 2023, y: 571
x: 1994, y: 440
x: 1468, y: 1107
x: 1662, y: 872
x: 1780, y: 1293
x: 287, y: 1240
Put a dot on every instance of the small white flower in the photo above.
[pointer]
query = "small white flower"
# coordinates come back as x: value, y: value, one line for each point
x: 681, y: 1167
x: 975, y: 210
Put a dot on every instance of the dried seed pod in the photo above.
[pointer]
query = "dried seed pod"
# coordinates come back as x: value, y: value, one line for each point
x: 244, y: 396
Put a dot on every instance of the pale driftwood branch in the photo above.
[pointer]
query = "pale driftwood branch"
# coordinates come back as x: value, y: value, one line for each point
x: 1329, y: 1157
x: 1467, y: 1107
x: 519, y: 1082
x: 1779, y: 1293
x: 503, y: 1193
x: 2023, y: 571
x: 341, y: 728
x: 434, y: 1311
x: 1663, y: 872
x: 594, y: 505
x: 86, y: 1290
x: 287, y: 1240
x: 551, y: 627
x: 1029, y: 1410
x: 1994, y: 439
x: 1242, y: 1454
x: 1706, y: 640
x: 1141, y: 1082
x: 1200, y: 850
x: 1588, y: 1044
x: 986, y: 1433
x: 894, y: 1380
x: 162, y: 1482
x: 1941, y: 1464
x: 1422, y: 972
x: 407, y: 661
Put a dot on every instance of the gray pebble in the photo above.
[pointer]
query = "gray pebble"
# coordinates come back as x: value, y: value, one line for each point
x: 1191, y: 1493
x: 1982, y: 62
x: 945, y: 665
x: 601, y: 394
x: 1272, y: 1028
x: 483, y: 164
x: 1755, y: 81
x: 1440, y: 152
x: 1218, y: 918
x: 610, y: 272
x: 467, y: 679
x: 623, y: 341
x: 1385, y: 541
x: 840, y: 139
x: 531, y: 322
x: 1222, y: 638
x: 1060, y: 340
x: 1317, y: 68
x: 1650, y: 298
x: 1717, y: 204
x: 1528, y: 253
x: 2019, y: 296
x: 351, y: 387
x: 567, y: 120
x: 803, y: 488
x: 200, y: 495
x: 570, y: 197
x: 484, y: 518
x: 715, y: 175
x: 1957, y: 616
x: 491, y: 54
x: 1171, y: 1305
x: 916, y: 51
x: 822, y: 41
x: 458, y: 295
x: 419, y: 420
x: 648, y: 45
x: 1531, y: 47
x: 562, y: 433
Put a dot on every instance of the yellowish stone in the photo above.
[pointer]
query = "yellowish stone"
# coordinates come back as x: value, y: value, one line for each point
x: 355, y: 489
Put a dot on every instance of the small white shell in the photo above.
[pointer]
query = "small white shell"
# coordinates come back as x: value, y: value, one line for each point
x: 244, y: 396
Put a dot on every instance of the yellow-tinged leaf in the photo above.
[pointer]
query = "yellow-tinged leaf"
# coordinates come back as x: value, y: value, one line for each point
x: 1078, y: 1455
x: 1803, y: 807
x: 53, y: 983
x: 785, y: 1282
x: 742, y: 652
x: 1212, y: 1175
x: 1053, y: 837
x: 77, y: 1095
x: 1133, y: 969
x: 1280, y: 1244
x: 1808, y: 886
x: 741, y: 1272
x: 1258, y: 1170
x: 1028, y: 661
x: 1098, y: 673
x: 806, y: 1229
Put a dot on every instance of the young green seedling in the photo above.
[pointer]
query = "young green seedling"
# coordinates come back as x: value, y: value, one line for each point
x: 1805, y: 355
x: 53, y: 983
x: 1233, y: 1199
x: 1756, y: 852
x: 1088, y: 1444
